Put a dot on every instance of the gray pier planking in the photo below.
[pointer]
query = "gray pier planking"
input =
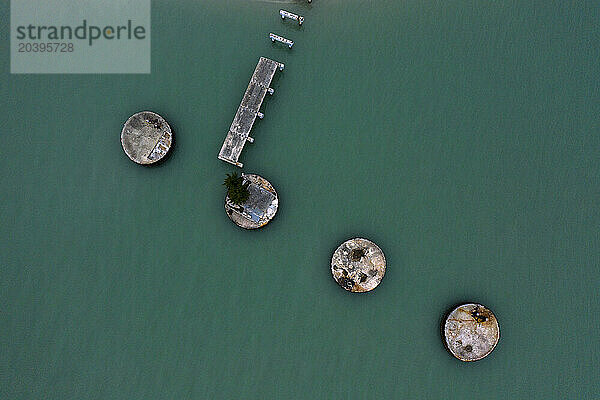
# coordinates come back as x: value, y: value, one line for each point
x: 239, y: 132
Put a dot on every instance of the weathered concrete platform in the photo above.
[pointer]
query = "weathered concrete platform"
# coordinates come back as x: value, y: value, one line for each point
x: 146, y: 137
x: 358, y: 265
x: 239, y: 132
x: 471, y: 332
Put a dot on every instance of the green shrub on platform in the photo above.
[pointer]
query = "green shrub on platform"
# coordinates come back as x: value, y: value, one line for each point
x: 237, y: 189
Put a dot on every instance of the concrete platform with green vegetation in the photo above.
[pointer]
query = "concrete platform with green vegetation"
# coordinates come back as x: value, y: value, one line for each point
x: 260, y: 207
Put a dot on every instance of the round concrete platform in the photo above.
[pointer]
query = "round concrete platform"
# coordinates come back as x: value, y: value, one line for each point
x: 358, y: 265
x: 259, y: 209
x: 471, y: 332
x: 146, y: 137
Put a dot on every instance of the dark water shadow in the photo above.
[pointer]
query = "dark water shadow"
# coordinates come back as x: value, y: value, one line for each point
x: 282, y: 46
x: 303, y: 3
x: 291, y: 24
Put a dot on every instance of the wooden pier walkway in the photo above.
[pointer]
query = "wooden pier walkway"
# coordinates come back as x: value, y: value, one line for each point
x: 239, y: 132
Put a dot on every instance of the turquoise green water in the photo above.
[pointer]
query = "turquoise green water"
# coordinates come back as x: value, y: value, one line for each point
x: 462, y: 137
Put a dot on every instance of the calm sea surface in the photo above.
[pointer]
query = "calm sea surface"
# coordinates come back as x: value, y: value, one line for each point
x: 462, y: 137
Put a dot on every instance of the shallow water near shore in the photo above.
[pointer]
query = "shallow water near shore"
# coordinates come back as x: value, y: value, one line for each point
x: 461, y: 137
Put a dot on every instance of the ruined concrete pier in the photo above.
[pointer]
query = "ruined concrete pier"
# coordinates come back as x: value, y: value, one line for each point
x: 286, y: 14
x: 276, y: 38
x: 239, y: 132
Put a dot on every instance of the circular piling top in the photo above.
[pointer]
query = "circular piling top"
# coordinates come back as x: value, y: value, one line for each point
x: 358, y: 265
x: 146, y: 137
x: 259, y: 209
x: 471, y: 332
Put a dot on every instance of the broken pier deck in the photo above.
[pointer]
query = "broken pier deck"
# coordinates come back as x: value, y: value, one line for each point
x: 239, y: 132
